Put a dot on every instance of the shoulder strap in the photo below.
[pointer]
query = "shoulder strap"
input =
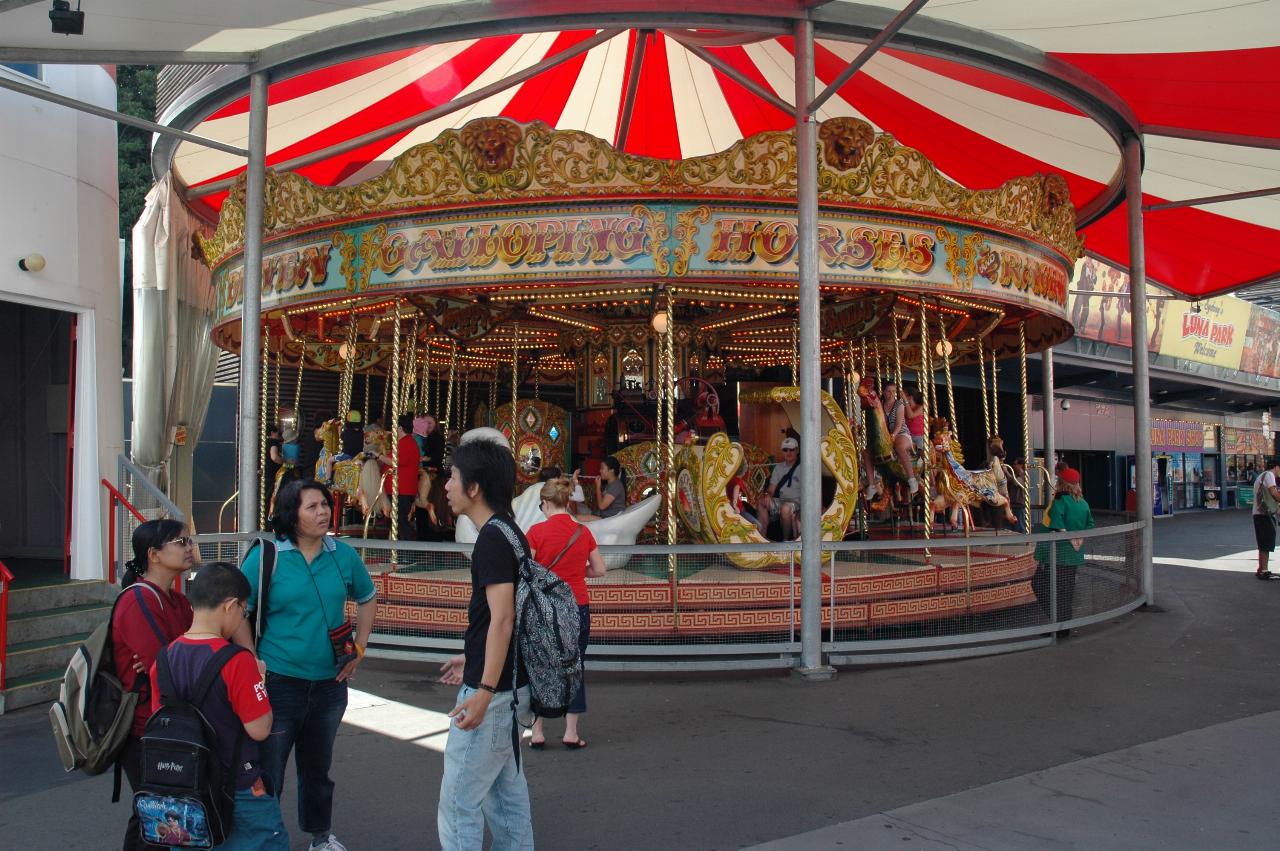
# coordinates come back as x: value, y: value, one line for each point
x: 266, y: 566
x: 146, y: 613
x: 512, y: 538
x: 212, y: 669
x: 164, y: 679
x: 573, y: 539
x: 785, y: 481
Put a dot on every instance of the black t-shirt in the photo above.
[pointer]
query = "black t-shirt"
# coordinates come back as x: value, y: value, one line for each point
x: 352, y: 439
x: 433, y: 452
x: 492, y: 562
x: 270, y: 466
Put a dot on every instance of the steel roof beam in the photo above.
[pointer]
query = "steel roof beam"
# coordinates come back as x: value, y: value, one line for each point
x: 872, y: 48
x: 633, y: 85
x: 429, y: 115
x: 737, y: 76
x: 1243, y: 140
x: 119, y: 117
x: 64, y: 56
x: 1211, y: 199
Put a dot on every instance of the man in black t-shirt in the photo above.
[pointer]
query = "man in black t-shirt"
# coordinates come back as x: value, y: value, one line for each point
x: 483, y: 782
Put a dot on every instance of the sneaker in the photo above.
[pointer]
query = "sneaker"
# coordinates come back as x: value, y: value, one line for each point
x: 330, y: 844
x: 914, y: 484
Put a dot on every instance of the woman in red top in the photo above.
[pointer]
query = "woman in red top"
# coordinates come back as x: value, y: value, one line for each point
x: 148, y: 616
x: 573, y: 560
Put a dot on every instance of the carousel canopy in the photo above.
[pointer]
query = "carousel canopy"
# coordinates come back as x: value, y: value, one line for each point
x: 987, y: 89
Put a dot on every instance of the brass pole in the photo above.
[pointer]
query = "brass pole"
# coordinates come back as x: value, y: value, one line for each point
x: 263, y: 496
x: 1026, y: 423
x: 395, y: 442
x: 982, y: 376
x: 448, y: 403
x: 926, y: 480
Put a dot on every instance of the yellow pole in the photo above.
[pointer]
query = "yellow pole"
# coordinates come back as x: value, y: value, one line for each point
x: 926, y: 479
x: 982, y: 376
x: 395, y: 443
x: 263, y: 498
x: 453, y: 371
x: 995, y: 384
x: 515, y: 380
x: 670, y: 359
x: 946, y: 366
x: 1026, y: 423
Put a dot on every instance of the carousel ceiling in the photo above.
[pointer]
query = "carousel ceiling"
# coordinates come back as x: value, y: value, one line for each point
x: 987, y: 89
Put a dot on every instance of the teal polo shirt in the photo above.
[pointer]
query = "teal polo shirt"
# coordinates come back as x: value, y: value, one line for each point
x: 304, y: 602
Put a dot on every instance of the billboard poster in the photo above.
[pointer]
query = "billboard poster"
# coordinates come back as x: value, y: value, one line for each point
x: 1261, y: 353
x: 1105, y: 317
x: 1212, y: 331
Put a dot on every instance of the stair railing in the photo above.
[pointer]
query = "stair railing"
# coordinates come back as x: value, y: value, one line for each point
x: 6, y: 577
x: 114, y: 497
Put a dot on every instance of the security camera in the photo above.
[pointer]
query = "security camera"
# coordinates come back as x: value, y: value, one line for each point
x: 65, y: 21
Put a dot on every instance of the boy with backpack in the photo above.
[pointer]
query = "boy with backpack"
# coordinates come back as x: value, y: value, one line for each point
x: 482, y: 780
x: 209, y: 700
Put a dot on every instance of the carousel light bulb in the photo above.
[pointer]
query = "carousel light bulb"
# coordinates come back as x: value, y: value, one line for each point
x: 660, y: 323
x: 944, y: 348
x: 855, y: 378
x: 346, y: 351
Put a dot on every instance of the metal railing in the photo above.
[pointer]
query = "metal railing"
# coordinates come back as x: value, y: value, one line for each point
x: 882, y: 601
x: 6, y: 578
x: 135, y: 491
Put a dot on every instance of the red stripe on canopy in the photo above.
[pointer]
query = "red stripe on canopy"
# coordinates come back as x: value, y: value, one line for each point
x: 1227, y: 91
x: 986, y: 80
x: 653, y: 122
x: 752, y: 114
x: 545, y: 99
x: 305, y: 84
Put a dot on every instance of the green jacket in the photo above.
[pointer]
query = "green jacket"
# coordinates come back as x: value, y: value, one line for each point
x: 1072, y: 515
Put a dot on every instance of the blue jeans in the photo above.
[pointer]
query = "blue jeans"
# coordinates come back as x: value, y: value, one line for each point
x: 579, y: 703
x: 482, y: 783
x: 257, y: 825
x: 307, y: 715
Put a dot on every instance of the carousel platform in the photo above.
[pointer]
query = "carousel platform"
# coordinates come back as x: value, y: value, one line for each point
x: 711, y: 600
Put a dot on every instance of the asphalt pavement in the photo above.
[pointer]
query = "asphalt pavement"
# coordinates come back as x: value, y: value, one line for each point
x: 1154, y: 730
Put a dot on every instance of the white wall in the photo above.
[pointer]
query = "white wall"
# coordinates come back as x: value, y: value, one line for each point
x: 59, y: 199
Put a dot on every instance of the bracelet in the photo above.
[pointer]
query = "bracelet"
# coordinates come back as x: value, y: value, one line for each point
x: 488, y: 688
x: 359, y: 650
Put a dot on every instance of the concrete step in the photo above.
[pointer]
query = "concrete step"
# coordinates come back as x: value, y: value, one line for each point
x: 62, y: 595
x: 30, y: 690
x: 46, y: 655
x: 51, y: 623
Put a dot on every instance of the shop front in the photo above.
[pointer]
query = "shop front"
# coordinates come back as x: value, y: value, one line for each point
x: 1244, y: 451
x: 1183, y: 464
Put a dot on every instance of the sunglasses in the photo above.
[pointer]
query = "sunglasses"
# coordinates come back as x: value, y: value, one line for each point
x: 184, y: 541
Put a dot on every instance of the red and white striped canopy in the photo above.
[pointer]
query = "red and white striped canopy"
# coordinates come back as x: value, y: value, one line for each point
x: 1193, y: 82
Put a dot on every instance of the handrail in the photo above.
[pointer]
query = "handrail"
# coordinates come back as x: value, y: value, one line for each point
x: 140, y: 477
x: 5, y: 578
x: 114, y: 496
x: 223, y: 509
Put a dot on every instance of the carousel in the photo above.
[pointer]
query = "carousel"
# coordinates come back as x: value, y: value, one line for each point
x: 584, y: 303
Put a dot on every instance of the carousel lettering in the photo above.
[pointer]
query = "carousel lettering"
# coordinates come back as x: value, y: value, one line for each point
x: 858, y: 247
x: 476, y: 246
x: 281, y: 273
x: 1026, y: 274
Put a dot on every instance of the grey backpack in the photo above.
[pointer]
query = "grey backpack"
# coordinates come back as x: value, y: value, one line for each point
x: 546, y: 631
x: 93, y: 715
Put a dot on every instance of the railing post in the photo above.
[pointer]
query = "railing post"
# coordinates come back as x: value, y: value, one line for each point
x: 1141, y: 365
x: 5, y: 578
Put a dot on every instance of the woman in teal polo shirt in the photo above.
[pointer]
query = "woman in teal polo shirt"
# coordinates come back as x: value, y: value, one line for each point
x: 304, y: 646
x: 1067, y: 513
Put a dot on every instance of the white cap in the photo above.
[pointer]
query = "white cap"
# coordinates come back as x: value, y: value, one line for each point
x: 790, y: 443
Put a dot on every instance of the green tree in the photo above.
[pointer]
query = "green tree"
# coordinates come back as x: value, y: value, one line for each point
x: 135, y: 95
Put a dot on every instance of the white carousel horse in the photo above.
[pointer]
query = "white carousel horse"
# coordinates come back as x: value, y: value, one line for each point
x: 620, y: 529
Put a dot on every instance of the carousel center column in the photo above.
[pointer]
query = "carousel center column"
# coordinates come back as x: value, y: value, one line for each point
x: 251, y: 309
x: 811, y: 665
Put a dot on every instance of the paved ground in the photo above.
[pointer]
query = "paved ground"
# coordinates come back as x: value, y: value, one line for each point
x: 1151, y: 731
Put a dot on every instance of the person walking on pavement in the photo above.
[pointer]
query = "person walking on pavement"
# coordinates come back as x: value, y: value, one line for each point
x: 1266, y: 504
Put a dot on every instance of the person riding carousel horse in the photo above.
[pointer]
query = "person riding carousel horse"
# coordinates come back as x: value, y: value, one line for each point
x: 889, y: 439
x: 957, y: 488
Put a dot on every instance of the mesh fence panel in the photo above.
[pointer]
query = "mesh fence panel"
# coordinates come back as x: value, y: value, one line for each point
x: 691, y: 601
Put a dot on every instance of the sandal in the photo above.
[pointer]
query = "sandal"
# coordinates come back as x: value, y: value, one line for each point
x: 579, y: 744
x: 537, y: 746
x: 1265, y: 575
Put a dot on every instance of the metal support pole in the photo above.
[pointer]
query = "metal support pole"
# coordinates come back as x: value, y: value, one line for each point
x: 1141, y: 377
x: 1046, y: 381
x: 811, y: 666
x: 250, y: 327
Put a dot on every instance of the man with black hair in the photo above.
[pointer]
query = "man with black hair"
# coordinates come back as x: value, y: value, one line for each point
x: 482, y: 777
x: 1266, y: 504
x: 236, y: 704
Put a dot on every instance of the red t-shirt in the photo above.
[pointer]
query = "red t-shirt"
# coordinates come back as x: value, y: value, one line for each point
x: 547, y: 540
x: 410, y: 459
x: 131, y: 634
x: 245, y: 699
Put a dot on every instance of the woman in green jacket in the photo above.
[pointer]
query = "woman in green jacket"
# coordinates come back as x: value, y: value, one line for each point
x: 1067, y: 513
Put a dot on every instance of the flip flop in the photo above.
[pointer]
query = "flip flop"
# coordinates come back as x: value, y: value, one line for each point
x: 1265, y: 575
x: 579, y: 744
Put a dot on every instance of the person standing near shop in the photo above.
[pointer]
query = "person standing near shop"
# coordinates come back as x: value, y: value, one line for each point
x: 1266, y: 504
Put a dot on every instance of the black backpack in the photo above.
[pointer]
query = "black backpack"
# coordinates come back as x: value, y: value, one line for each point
x: 186, y: 796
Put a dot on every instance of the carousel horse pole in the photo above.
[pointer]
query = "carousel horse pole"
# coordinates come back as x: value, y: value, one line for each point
x: 515, y: 378
x: 1026, y: 420
x: 262, y: 427
x: 982, y: 377
x: 395, y: 444
x: 448, y: 403
x: 669, y: 364
x: 926, y: 474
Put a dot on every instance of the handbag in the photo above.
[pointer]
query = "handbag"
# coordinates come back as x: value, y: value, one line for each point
x: 573, y: 539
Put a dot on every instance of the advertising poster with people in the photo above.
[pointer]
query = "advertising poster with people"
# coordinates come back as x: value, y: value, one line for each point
x: 1226, y: 331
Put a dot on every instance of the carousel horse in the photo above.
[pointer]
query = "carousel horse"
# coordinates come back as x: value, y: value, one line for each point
x: 369, y: 490
x: 958, y: 488
x: 883, y: 460
x: 330, y: 444
x: 620, y: 529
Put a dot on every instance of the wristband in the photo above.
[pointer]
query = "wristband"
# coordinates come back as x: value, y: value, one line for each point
x: 359, y: 649
x: 488, y: 688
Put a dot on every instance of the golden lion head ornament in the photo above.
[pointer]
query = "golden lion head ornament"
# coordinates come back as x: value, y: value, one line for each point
x: 491, y: 142
x: 844, y: 141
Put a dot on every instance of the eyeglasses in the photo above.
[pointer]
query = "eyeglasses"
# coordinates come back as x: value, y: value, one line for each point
x: 184, y: 541
x: 244, y: 608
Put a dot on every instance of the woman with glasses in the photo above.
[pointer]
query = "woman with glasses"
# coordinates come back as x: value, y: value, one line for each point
x: 310, y: 650
x: 149, y: 613
x: 566, y: 548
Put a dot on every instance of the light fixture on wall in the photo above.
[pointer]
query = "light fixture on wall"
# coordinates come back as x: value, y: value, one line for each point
x: 1065, y: 404
x: 944, y: 348
x: 31, y: 263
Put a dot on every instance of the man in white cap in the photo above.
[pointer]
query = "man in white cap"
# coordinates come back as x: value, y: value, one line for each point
x: 781, y: 498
